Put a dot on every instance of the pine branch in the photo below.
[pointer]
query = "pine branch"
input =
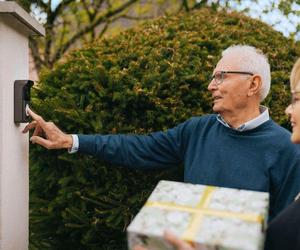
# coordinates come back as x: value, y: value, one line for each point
x: 203, y: 4
x: 104, y: 29
x: 61, y: 40
x: 49, y: 33
x: 90, y: 27
x: 136, y: 18
x: 59, y: 8
x: 52, y: 16
x: 185, y: 5
x: 38, y: 61
x: 42, y: 4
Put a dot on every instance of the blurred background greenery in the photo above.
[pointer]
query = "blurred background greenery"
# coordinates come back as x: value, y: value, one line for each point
x: 71, y: 23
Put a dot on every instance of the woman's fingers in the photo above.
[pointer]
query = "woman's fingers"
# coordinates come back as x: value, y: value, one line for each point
x: 171, y: 238
x: 176, y: 242
x: 140, y: 248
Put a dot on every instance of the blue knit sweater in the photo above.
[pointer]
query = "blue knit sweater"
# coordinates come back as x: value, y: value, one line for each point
x: 261, y: 159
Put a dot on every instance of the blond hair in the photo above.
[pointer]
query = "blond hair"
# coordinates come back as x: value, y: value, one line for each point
x: 295, y: 76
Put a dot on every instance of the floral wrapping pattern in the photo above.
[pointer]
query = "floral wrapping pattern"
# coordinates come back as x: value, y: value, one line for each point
x: 217, y: 227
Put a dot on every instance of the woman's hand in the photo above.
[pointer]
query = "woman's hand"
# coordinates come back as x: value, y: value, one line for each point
x: 174, y: 241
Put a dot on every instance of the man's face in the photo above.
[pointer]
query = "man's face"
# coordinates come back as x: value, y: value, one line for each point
x: 230, y: 95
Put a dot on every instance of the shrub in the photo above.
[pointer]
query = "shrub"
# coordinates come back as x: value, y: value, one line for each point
x: 146, y: 79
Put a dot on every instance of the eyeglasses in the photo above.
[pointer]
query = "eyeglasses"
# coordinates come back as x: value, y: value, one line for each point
x: 218, y: 77
x: 295, y: 98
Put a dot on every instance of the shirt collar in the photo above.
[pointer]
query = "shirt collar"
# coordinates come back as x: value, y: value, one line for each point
x: 262, y: 118
x: 297, y: 197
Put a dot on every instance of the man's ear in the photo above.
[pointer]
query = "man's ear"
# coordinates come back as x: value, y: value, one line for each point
x: 255, y: 85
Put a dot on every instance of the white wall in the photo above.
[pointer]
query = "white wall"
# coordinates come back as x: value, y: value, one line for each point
x: 14, y: 178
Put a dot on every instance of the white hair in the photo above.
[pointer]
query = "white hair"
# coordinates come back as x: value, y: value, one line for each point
x: 253, y: 60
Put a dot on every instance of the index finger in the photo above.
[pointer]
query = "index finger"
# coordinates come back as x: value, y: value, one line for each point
x: 36, y: 117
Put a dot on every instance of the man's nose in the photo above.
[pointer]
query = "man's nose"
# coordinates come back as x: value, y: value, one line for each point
x: 212, y: 85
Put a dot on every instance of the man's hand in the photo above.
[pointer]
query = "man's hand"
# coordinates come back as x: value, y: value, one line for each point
x: 173, y: 240
x: 47, y: 134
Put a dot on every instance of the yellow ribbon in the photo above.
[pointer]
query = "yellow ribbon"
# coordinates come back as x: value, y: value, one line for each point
x: 202, y: 209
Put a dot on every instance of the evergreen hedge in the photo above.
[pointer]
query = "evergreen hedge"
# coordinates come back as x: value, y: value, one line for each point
x: 146, y: 79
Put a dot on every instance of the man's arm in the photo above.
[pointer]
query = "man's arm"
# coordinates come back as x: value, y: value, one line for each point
x: 160, y: 149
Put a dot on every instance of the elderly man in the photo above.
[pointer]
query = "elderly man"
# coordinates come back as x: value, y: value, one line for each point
x: 239, y: 147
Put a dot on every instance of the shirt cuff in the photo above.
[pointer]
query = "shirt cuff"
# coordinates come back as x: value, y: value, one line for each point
x: 75, y: 145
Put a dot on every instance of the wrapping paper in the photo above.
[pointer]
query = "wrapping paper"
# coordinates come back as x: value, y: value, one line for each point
x: 210, y: 218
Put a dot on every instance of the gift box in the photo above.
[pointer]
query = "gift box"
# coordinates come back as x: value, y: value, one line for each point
x: 208, y: 217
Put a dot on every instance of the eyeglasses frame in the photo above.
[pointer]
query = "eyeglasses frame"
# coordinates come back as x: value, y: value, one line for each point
x: 228, y: 72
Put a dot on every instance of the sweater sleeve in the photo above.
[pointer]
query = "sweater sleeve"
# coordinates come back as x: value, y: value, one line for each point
x: 159, y: 149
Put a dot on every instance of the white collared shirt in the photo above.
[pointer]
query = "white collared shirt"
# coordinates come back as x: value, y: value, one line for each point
x: 297, y: 197
x: 262, y: 118
x: 75, y: 145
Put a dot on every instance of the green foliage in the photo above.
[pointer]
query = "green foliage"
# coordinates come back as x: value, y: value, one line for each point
x: 146, y: 79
